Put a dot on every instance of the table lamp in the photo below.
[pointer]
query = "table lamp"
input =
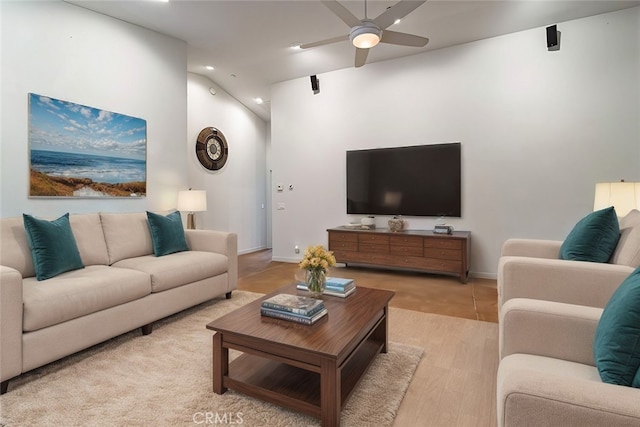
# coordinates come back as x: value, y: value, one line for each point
x: 192, y: 201
x: 623, y: 196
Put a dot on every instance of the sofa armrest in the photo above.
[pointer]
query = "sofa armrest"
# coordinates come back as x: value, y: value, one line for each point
x: 551, y: 329
x: 535, y: 248
x: 221, y: 242
x: 10, y: 323
x: 571, y: 282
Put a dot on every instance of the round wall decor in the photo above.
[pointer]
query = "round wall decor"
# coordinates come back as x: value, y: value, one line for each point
x: 212, y: 148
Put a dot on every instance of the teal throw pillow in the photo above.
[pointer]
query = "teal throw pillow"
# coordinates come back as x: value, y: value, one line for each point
x: 594, y: 237
x: 616, y: 347
x: 53, y: 246
x: 167, y: 233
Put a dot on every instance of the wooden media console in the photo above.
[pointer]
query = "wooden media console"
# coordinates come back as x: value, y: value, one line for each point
x: 421, y: 250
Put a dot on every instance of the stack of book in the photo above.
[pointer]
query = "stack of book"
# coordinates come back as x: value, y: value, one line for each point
x: 336, y: 286
x: 294, y: 308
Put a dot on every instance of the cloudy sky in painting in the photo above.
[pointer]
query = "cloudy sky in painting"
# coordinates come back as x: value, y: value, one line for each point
x: 56, y: 125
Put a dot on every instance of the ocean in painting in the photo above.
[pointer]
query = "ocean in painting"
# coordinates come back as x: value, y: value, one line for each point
x: 111, y: 170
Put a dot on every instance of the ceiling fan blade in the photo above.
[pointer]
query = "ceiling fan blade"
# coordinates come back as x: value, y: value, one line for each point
x: 361, y: 56
x: 397, y: 11
x: 403, y: 39
x: 324, y: 42
x: 342, y: 12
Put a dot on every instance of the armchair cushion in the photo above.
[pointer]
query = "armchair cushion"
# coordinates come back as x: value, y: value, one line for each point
x: 617, y: 340
x: 594, y: 237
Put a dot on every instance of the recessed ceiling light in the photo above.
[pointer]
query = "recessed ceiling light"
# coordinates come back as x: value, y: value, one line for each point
x: 209, y: 67
x: 259, y: 101
x: 397, y: 21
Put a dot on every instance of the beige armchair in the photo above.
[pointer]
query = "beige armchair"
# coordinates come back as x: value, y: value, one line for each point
x: 530, y: 268
x: 547, y: 374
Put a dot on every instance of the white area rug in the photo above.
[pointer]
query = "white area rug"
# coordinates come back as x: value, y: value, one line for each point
x: 164, y: 379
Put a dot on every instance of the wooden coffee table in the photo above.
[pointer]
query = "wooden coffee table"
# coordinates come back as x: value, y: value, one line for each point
x: 312, y: 369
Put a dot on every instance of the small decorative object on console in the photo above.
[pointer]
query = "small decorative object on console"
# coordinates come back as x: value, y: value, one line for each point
x: 368, y: 223
x: 443, y: 229
x: 396, y: 224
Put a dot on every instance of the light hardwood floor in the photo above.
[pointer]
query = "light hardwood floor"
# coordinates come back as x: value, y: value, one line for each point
x: 455, y: 382
x: 427, y: 293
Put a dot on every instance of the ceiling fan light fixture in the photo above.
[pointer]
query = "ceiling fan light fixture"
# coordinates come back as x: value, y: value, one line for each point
x: 365, y: 36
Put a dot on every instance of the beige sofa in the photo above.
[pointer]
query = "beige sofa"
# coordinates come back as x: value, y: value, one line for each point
x: 123, y: 286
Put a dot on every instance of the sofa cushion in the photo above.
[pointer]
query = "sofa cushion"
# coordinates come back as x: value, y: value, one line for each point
x: 593, y: 238
x: 78, y: 293
x: 87, y: 230
x: 177, y: 269
x: 127, y: 235
x: 616, y: 346
x: 53, y: 246
x: 167, y: 233
x: 628, y: 249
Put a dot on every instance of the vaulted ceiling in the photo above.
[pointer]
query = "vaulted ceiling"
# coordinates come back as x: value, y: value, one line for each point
x: 249, y: 42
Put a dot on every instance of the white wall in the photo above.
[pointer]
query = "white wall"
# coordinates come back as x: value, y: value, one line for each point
x: 236, y: 198
x: 66, y: 52
x: 69, y: 53
x: 538, y: 130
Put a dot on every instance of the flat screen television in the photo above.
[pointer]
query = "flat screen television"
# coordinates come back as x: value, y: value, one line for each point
x: 422, y: 180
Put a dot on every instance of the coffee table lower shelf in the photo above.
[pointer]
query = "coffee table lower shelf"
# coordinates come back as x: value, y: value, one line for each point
x: 294, y: 384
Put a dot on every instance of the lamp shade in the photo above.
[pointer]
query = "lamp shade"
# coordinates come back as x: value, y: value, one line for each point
x: 192, y: 200
x: 623, y: 196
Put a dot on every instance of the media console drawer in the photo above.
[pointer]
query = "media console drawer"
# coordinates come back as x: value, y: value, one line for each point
x: 413, y: 249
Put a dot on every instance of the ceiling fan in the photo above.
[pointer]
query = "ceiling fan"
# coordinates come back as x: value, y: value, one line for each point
x: 366, y: 33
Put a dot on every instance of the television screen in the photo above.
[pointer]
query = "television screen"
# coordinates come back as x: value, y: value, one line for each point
x: 423, y: 180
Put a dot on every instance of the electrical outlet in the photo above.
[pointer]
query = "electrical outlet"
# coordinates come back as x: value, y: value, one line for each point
x: 296, y: 249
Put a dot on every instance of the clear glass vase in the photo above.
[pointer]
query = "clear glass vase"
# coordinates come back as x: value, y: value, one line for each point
x: 316, y: 282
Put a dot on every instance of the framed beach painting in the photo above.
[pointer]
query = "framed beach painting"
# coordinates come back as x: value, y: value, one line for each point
x: 80, y: 151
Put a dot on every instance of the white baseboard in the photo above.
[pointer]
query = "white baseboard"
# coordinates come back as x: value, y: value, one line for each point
x: 473, y: 274
x: 291, y: 260
x: 480, y: 275
x: 248, y: 251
